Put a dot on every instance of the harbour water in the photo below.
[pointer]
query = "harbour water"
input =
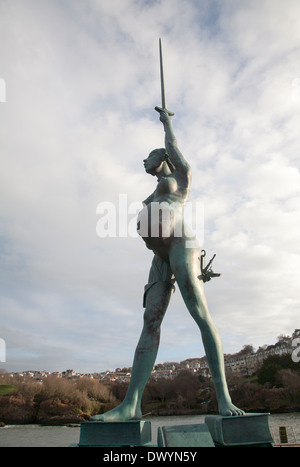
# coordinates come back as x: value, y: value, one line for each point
x: 64, y: 436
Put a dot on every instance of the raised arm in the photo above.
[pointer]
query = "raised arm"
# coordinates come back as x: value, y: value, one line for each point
x: 149, y: 199
x: 176, y: 157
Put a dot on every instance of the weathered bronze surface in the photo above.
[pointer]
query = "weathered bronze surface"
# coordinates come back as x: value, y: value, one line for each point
x: 176, y: 258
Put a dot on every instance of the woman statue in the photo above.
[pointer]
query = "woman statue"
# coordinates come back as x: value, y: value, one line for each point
x: 176, y: 258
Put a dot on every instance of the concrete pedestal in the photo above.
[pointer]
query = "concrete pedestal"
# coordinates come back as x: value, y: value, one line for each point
x: 248, y: 430
x: 184, y: 436
x: 110, y: 434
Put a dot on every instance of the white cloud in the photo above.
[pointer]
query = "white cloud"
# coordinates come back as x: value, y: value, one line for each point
x: 82, y: 79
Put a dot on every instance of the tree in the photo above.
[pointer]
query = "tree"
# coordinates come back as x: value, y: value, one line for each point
x: 268, y: 373
x: 283, y: 337
x: 246, y: 350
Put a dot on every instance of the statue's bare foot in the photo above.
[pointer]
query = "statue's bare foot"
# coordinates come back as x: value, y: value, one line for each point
x: 227, y: 409
x: 122, y: 413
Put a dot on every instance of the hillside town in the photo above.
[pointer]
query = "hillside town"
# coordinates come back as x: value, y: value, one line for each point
x: 246, y: 362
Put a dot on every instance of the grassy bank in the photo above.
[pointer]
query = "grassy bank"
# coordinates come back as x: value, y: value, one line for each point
x: 53, y: 401
x: 6, y: 389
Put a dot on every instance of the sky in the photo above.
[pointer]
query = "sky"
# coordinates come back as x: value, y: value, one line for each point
x: 79, y: 81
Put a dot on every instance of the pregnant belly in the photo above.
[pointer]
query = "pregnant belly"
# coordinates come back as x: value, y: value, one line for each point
x: 159, y: 222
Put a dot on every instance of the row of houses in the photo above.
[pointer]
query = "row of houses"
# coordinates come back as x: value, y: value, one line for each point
x: 39, y: 375
x: 247, y: 364
x: 244, y: 363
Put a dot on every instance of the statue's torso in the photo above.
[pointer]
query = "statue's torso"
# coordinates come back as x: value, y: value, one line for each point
x: 162, y: 219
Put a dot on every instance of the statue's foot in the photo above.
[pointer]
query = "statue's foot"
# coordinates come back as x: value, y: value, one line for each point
x: 122, y: 413
x: 227, y: 409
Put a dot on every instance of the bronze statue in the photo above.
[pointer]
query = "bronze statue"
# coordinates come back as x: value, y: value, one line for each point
x: 176, y: 258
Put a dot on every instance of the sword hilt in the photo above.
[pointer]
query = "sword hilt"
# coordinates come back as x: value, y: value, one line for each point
x: 160, y: 109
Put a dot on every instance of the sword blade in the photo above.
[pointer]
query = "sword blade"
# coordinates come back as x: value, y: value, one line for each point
x: 162, y: 79
x: 162, y: 84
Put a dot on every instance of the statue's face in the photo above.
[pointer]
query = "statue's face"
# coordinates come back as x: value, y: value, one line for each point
x: 153, y: 163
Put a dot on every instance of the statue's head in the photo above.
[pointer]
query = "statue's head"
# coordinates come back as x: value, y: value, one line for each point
x: 157, y: 161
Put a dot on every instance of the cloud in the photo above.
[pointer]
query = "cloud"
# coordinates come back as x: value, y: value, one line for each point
x: 82, y: 79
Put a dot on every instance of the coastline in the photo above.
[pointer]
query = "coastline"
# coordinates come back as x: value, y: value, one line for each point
x: 75, y: 421
x: 63, y: 401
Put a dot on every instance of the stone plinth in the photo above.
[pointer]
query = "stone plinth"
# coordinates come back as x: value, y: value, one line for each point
x: 184, y: 436
x: 129, y: 433
x: 248, y: 430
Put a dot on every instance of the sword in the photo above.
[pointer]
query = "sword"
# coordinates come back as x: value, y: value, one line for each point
x: 163, y: 107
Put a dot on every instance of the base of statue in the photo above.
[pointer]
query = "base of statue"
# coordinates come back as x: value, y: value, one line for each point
x: 251, y: 429
x: 185, y: 436
x: 110, y: 434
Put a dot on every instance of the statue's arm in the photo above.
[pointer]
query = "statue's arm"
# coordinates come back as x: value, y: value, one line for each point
x: 174, y: 153
x: 149, y: 199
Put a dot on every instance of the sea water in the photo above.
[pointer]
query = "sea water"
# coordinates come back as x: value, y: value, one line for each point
x: 64, y: 436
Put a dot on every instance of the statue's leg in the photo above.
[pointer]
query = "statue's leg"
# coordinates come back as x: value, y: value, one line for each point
x: 185, y: 265
x: 156, y: 301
